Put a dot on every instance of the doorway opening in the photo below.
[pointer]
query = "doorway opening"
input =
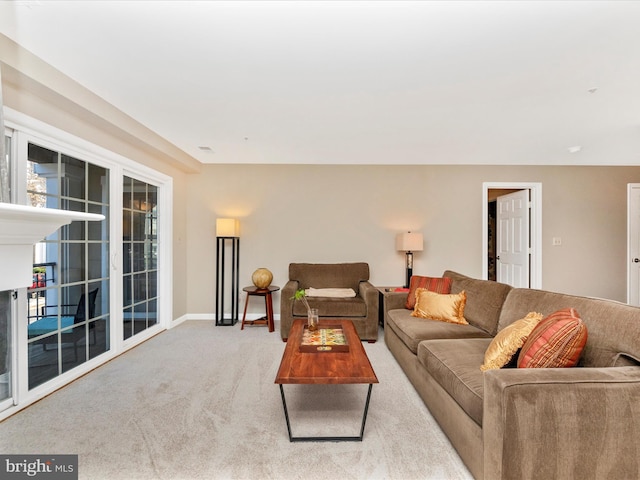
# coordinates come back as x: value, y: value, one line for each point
x: 532, y: 236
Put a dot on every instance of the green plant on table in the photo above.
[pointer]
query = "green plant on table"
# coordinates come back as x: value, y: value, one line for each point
x: 302, y: 296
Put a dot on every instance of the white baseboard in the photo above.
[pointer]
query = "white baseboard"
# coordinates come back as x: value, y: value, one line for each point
x: 211, y: 317
x: 179, y: 320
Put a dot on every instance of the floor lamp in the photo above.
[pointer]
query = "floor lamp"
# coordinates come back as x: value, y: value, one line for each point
x: 409, y: 243
x: 227, y: 230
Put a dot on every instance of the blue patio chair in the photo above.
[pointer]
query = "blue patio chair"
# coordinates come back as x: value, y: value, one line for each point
x: 49, y: 323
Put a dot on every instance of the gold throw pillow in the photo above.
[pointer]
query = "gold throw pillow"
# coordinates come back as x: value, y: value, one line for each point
x: 443, y: 307
x: 508, y: 340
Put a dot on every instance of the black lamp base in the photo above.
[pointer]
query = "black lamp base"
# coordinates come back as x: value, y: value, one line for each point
x: 220, y: 280
x: 409, y: 268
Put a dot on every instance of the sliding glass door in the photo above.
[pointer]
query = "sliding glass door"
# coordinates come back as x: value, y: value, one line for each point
x: 96, y: 288
x: 140, y: 254
x: 68, y: 302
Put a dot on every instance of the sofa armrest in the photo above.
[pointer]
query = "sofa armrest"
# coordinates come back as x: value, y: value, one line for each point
x: 395, y: 300
x: 562, y: 423
x: 368, y: 327
x: 289, y: 290
x: 370, y: 295
x: 286, y: 307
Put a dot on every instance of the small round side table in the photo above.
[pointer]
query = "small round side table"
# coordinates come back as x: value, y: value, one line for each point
x: 260, y: 292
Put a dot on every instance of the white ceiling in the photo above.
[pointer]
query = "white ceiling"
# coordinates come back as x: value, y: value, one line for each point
x: 359, y: 82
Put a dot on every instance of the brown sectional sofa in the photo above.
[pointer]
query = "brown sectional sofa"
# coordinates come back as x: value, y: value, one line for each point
x: 514, y: 423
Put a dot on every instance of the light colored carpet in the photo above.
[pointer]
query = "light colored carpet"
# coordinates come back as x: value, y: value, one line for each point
x: 199, y: 402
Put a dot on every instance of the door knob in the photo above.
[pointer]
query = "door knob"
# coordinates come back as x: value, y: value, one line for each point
x: 636, y: 260
x: 498, y: 257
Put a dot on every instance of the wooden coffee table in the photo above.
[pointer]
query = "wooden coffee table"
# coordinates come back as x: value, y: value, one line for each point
x: 325, y: 368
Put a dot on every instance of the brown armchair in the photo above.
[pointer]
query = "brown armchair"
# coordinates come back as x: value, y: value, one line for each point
x: 362, y: 309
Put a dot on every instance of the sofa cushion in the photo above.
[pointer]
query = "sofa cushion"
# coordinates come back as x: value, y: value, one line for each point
x: 436, y: 306
x: 437, y: 285
x: 508, y: 341
x: 556, y: 342
x: 484, y: 300
x: 454, y: 365
x: 333, y: 307
x: 412, y: 330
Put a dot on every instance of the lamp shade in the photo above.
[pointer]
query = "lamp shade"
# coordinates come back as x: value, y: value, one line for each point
x: 227, y: 227
x: 409, y: 242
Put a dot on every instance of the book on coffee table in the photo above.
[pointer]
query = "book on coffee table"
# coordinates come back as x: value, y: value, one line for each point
x: 324, y: 339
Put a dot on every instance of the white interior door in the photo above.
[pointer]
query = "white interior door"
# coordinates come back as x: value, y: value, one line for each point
x: 512, y: 239
x: 633, y: 243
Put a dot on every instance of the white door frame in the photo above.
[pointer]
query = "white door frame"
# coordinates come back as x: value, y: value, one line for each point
x: 535, y: 198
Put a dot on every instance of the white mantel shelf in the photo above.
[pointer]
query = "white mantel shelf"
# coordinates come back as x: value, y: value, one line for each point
x: 21, y: 227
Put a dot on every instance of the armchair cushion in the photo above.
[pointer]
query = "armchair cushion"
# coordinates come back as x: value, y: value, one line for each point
x: 330, y: 292
x: 333, y: 307
x: 328, y: 275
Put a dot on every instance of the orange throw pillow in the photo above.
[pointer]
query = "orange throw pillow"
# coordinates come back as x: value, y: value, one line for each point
x: 437, y: 285
x: 557, y: 341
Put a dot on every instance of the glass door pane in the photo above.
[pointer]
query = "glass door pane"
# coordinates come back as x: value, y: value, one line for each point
x: 5, y: 346
x: 140, y: 256
x: 6, y: 332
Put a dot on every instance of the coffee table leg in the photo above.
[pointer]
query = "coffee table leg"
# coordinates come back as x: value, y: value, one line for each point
x: 366, y: 409
x: 326, y: 439
x: 286, y: 413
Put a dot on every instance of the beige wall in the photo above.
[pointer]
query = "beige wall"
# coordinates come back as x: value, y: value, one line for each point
x: 180, y: 301
x: 352, y: 213
x: 297, y: 213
